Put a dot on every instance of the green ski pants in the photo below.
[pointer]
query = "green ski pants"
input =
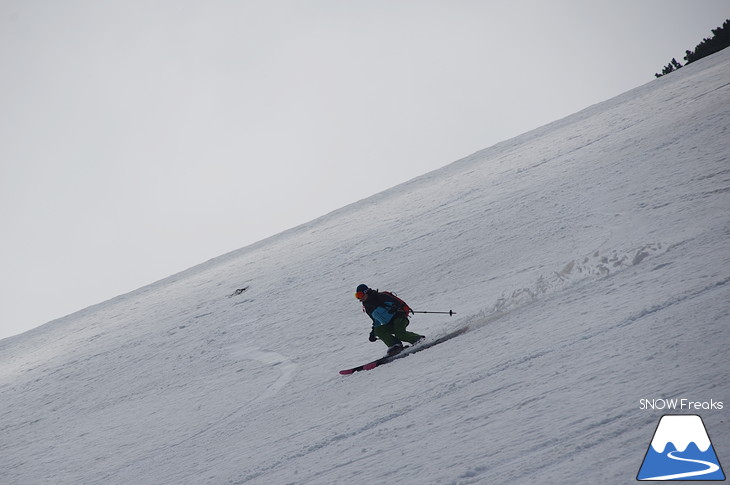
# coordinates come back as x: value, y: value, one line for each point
x: 396, y: 331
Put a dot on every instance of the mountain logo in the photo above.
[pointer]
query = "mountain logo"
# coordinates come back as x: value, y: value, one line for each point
x: 681, y: 450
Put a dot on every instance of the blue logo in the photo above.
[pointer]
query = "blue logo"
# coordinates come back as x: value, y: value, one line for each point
x: 681, y: 450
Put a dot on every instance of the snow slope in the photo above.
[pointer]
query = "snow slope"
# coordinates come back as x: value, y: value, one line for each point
x: 589, y: 259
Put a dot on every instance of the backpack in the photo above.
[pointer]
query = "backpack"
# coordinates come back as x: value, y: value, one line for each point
x: 401, y: 305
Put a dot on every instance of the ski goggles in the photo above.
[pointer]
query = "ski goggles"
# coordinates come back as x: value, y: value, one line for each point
x: 359, y: 295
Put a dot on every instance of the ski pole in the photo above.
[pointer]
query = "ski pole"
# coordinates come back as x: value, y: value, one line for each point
x: 449, y: 313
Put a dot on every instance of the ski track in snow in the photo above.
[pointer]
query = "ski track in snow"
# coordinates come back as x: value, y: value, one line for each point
x: 281, y: 364
x: 599, y: 264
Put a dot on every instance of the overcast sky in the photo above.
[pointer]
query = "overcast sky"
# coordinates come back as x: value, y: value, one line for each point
x: 139, y: 138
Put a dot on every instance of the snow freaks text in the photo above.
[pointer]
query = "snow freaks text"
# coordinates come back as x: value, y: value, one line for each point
x: 680, y: 404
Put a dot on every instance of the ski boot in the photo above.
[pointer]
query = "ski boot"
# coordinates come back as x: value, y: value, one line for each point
x: 394, y: 349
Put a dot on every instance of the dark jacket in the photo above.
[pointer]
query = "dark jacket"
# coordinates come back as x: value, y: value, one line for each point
x: 382, y: 308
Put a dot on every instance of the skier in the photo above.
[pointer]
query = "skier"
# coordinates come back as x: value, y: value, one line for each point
x: 390, y: 318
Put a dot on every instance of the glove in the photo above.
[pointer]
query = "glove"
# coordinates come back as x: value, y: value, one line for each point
x: 372, y: 336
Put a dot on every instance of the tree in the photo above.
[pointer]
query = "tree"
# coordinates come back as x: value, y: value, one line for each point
x: 720, y: 39
x: 671, y: 67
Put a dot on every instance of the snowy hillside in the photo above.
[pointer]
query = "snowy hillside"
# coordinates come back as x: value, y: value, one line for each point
x: 588, y: 258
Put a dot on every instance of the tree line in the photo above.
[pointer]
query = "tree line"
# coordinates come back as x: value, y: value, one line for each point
x: 719, y: 40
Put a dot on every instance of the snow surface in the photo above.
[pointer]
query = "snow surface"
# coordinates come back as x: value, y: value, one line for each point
x: 589, y: 259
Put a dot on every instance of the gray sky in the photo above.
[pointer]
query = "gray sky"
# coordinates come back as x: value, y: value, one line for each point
x: 139, y: 138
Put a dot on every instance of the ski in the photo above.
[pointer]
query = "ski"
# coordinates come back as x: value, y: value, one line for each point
x: 408, y: 350
x: 371, y: 365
